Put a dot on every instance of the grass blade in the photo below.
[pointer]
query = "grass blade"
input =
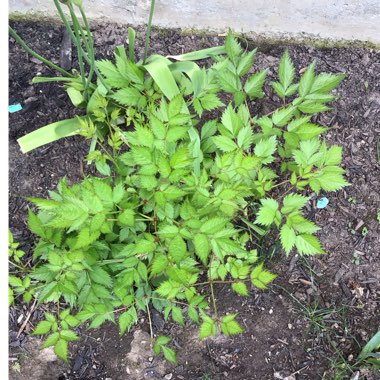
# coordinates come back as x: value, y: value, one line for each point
x: 160, y: 72
x: 49, y: 133
x: 131, y: 43
x: 199, y: 54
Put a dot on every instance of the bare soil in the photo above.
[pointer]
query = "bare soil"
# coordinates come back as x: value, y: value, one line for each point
x: 320, y: 310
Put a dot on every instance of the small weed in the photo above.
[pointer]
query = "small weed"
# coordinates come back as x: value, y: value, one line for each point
x: 350, y: 228
x: 352, y: 200
x: 356, y: 259
x: 378, y: 216
x: 366, y: 85
x: 365, y: 231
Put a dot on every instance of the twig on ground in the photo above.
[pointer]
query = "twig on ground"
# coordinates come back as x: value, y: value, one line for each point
x: 27, y: 318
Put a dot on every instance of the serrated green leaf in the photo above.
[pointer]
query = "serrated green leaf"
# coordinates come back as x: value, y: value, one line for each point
x: 202, y: 247
x: 286, y: 70
x: 288, y: 238
x: 68, y: 335
x: 254, y: 85
x: 61, y: 349
x: 245, y: 138
x: 127, y: 218
x: 110, y: 71
x: 42, y: 328
x: 127, y: 320
x: 210, y: 101
x: 307, y: 80
x: 100, y: 276
x: 159, y: 264
x: 282, y: 115
x: 293, y: 202
x: 15, y: 281
x: 177, y: 315
x: 35, y: 225
x: 267, y: 212
x: 213, y: 225
x: 193, y: 314
x: 224, y: 143
x: 127, y: 96
x: 207, y: 328
x: 232, y: 46
x: 308, y: 245
x: 326, y: 82
x: 240, y: 288
x: 261, y: 278
x: 177, y: 249
x: 230, y: 326
x: 331, y: 179
x: 333, y: 155
x: 144, y: 247
x: 311, y: 107
x: 51, y: 340
x: 246, y: 62
x: 266, y: 148
x: 169, y: 354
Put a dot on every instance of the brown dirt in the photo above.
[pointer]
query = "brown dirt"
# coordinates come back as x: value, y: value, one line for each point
x: 320, y: 310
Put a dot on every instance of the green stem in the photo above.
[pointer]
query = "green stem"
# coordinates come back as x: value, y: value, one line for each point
x: 85, y: 56
x: 90, y: 48
x: 21, y: 42
x: 149, y: 29
x: 77, y: 34
x: 17, y: 266
x: 213, y: 300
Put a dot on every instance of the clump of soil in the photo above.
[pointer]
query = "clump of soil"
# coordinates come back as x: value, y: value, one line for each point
x: 320, y: 310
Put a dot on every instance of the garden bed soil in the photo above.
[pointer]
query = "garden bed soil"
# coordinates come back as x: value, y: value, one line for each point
x: 319, y: 311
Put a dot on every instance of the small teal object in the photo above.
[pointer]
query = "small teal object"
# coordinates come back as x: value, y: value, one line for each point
x: 322, y: 202
x: 14, y: 108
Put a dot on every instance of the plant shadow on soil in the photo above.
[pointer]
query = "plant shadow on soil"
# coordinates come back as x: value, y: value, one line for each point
x: 313, y: 320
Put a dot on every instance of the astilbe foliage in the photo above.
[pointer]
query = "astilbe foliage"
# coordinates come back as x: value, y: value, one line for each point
x: 160, y: 228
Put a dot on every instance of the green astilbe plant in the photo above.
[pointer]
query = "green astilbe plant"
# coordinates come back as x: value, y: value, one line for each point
x: 168, y: 221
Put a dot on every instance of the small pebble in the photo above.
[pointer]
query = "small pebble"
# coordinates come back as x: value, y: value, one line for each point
x: 168, y: 376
